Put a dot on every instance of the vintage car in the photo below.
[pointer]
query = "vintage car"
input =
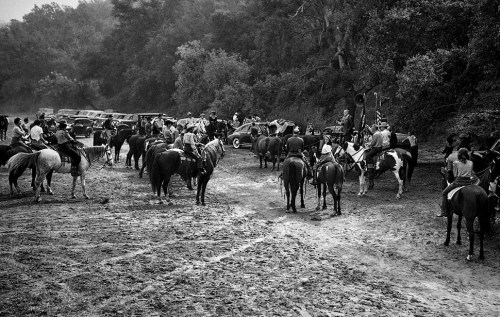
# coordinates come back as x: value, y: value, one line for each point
x: 242, y: 133
x: 334, y: 131
x: 82, y: 126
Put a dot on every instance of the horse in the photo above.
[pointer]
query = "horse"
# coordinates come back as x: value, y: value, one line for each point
x: 150, y: 155
x: 395, y: 160
x: 331, y: 175
x: 174, y: 161
x: 117, y: 141
x: 4, y: 125
x: 47, y: 161
x: 269, y: 147
x: 294, y: 174
x: 137, y: 148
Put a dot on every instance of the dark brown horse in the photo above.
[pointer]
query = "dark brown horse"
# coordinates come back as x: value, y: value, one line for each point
x: 331, y: 175
x: 153, y: 149
x: 269, y: 148
x: 294, y: 174
x: 174, y: 161
x: 137, y: 148
x: 116, y: 141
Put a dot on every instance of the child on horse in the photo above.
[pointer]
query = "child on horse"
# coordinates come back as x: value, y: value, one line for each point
x: 464, y: 175
x: 189, y: 142
x: 326, y: 156
x: 67, y: 144
x: 295, y: 148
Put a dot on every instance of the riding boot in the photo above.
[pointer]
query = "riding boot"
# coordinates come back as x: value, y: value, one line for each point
x: 315, y: 176
x: 74, y: 170
x: 371, y: 177
x: 308, y: 169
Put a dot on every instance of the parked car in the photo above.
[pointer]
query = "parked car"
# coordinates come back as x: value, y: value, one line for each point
x: 335, y: 131
x: 242, y: 133
x: 66, y: 113
x: 83, y: 126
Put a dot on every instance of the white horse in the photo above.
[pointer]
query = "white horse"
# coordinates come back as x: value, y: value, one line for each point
x: 47, y: 161
x: 395, y: 160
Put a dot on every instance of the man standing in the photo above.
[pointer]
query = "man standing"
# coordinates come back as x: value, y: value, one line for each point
x: 109, y: 128
x: 254, y: 135
x: 373, y: 149
x: 347, y: 123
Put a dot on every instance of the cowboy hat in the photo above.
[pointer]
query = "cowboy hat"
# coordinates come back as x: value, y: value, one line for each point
x: 296, y: 130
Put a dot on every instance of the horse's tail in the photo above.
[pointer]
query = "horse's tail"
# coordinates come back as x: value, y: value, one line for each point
x: 21, y: 161
x: 155, y: 177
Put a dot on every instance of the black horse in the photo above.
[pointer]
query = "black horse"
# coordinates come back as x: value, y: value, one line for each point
x: 116, y: 140
x: 153, y: 149
x: 137, y: 148
x: 174, y: 161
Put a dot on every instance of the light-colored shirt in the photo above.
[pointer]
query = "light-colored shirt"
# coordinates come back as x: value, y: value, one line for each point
x: 189, y: 139
x: 17, y: 134
x: 326, y: 149
x: 36, y: 132
x: 462, y: 170
x: 386, y: 138
x: 377, y: 140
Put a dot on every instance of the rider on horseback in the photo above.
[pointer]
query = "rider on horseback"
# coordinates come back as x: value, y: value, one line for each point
x: 372, y: 150
x: 18, y: 135
x: 189, y: 142
x: 464, y: 175
x: 326, y: 156
x: 295, y: 148
x: 36, y: 134
x: 67, y: 144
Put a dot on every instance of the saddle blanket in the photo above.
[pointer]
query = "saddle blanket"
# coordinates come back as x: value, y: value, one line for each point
x: 453, y: 192
x: 184, y: 157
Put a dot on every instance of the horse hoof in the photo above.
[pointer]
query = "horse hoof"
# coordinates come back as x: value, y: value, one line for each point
x: 324, y: 208
x: 469, y: 257
x: 42, y: 190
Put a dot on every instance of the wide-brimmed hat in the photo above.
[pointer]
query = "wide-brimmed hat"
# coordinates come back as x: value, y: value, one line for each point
x: 190, y: 126
x: 383, y: 125
x: 296, y: 130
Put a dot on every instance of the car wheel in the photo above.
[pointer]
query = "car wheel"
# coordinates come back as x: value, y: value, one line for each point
x: 236, y: 143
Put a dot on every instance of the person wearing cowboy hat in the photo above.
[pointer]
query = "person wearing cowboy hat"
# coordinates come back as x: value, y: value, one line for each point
x: 66, y: 144
x: 109, y: 129
x: 386, y: 135
x: 295, y: 148
x: 371, y: 151
x: 189, y: 147
x: 327, y: 151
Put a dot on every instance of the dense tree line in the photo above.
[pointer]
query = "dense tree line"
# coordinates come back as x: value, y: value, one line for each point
x: 416, y: 60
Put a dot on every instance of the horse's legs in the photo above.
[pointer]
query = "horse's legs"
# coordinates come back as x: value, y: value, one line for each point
x: 400, y: 181
x: 165, y: 186
x: 84, y: 188
x: 481, y: 238
x: 469, y: 224
x: 13, y: 182
x: 73, y: 187
x: 337, y: 199
x: 117, y: 154
x: 294, y: 197
x: 302, y: 204
x: 33, y: 176
x: 318, y: 186
x: 324, y: 195
x: 459, y: 227
x: 38, y: 182
x: 49, y: 182
x: 203, y: 188
x: 260, y: 161
x: 128, y: 160
x: 136, y: 160
x: 448, y: 228
x: 362, y: 181
x: 287, y: 191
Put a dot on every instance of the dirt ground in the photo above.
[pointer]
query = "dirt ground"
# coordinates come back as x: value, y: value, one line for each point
x: 123, y: 254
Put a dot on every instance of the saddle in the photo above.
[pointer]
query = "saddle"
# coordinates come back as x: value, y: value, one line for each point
x: 454, y: 191
x: 66, y: 159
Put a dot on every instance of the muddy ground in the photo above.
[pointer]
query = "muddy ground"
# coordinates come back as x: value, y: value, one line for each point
x: 123, y: 254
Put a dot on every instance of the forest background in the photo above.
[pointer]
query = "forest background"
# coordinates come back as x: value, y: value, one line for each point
x: 431, y: 66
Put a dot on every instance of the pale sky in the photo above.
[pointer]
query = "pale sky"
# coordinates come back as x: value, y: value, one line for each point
x: 16, y: 9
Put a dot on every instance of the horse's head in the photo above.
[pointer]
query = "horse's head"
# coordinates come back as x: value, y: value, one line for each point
x: 107, y: 152
x: 220, y: 147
